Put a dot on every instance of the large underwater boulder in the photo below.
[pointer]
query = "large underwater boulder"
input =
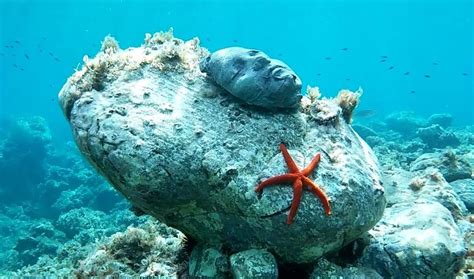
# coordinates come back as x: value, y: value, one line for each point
x: 415, y: 240
x: 187, y: 152
x: 444, y: 120
x: 403, y: 186
x: 452, y: 166
x: 436, y: 136
x: 405, y: 122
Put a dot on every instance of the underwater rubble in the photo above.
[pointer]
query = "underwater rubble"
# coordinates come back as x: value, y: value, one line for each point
x: 55, y: 212
x: 429, y: 197
x: 150, y: 138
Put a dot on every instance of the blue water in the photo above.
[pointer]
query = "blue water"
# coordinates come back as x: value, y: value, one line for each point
x: 420, y: 37
x: 405, y: 55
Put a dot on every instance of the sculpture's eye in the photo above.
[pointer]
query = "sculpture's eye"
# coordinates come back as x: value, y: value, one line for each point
x: 253, y: 52
x: 239, y: 63
x: 260, y: 62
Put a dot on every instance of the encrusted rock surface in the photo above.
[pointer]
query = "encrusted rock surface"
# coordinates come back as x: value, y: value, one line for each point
x: 415, y: 240
x: 436, y: 136
x: 326, y: 269
x: 402, y: 187
x: 465, y: 190
x: 208, y: 262
x: 254, y: 263
x: 188, y: 153
x: 452, y: 166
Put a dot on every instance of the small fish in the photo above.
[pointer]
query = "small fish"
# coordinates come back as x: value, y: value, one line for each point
x: 17, y: 42
x: 364, y: 113
x: 235, y: 41
x: 384, y: 56
x: 348, y: 79
x: 280, y: 54
x: 57, y: 59
x: 412, y: 92
x: 327, y: 58
x: 383, y: 60
x: 50, y: 53
x: 391, y: 67
x: 21, y: 69
x: 27, y: 56
x: 15, y: 65
x: 2, y: 54
x: 427, y: 76
x: 344, y: 49
x: 435, y: 63
x: 464, y: 74
x: 208, y: 39
x: 318, y: 74
x: 406, y: 73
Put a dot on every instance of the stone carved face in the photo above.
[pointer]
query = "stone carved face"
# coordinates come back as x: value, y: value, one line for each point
x: 254, y: 77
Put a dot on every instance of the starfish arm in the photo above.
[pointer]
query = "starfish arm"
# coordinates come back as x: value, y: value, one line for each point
x: 279, y: 179
x: 289, y: 161
x: 314, y: 163
x: 295, y: 203
x: 319, y: 193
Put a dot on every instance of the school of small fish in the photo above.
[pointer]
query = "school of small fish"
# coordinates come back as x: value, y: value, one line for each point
x: 22, y: 56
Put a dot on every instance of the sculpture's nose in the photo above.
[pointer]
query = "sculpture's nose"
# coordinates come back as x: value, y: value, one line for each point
x: 297, y: 81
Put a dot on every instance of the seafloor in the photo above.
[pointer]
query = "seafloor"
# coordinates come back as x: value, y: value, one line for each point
x: 60, y: 218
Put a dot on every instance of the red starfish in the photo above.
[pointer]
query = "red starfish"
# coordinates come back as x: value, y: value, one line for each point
x: 298, y: 178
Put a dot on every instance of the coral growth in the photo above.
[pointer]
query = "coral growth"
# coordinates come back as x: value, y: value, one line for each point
x: 109, y: 45
x: 162, y: 52
x: 152, y: 250
x: 158, y: 38
x: 51, y: 201
x: 22, y: 153
x: 312, y: 94
x: 348, y: 101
